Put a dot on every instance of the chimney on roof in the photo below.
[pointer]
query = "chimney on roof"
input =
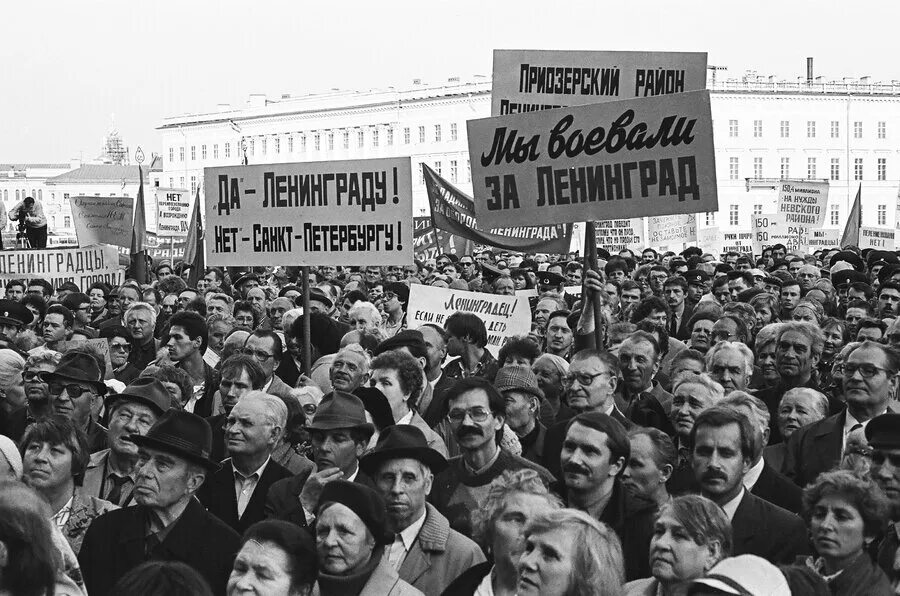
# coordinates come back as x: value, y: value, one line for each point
x: 809, y: 70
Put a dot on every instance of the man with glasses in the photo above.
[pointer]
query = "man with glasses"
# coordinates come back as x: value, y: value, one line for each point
x: 140, y: 321
x: 475, y: 412
x: 591, y: 386
x: 870, y: 380
x: 658, y: 277
x: 76, y: 392
x: 394, y: 303
x: 80, y: 305
x: 469, y: 270
x: 266, y: 348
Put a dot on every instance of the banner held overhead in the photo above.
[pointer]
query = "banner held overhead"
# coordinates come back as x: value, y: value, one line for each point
x: 631, y: 158
x: 173, y: 212
x: 312, y: 213
x: 103, y: 220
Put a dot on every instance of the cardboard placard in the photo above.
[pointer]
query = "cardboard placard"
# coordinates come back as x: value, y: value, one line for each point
x: 824, y: 238
x: 771, y: 229
x: 503, y: 316
x: 671, y: 229
x: 620, y: 159
x: 711, y: 240
x: 81, y: 266
x: 803, y: 202
x: 618, y: 234
x: 312, y: 213
x: 533, y: 80
x: 878, y: 238
x: 103, y: 220
x: 173, y: 212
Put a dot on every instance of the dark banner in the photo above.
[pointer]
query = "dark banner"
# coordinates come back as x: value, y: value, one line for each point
x: 454, y: 212
x: 429, y: 242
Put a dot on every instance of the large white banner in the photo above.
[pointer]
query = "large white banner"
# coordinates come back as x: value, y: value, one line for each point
x: 613, y: 160
x: 82, y: 266
x: 503, y: 316
x: 315, y: 213
x: 533, y: 80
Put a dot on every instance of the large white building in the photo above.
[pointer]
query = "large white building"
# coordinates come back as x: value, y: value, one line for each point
x: 847, y: 132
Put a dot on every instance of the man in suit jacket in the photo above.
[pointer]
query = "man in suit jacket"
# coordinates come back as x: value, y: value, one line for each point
x: 266, y: 347
x: 236, y: 494
x: 722, y: 455
x: 239, y: 375
x: 870, y: 379
x: 168, y: 523
x: 675, y: 292
x: 339, y: 434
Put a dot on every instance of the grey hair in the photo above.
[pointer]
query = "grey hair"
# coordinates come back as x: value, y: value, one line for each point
x: 742, y: 399
x: 138, y: 306
x: 819, y: 400
x: 716, y: 391
x: 357, y: 350
x: 276, y: 411
x: 735, y: 346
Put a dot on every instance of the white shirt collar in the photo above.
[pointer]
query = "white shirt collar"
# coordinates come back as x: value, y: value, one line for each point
x: 407, y: 418
x: 438, y: 378
x: 408, y: 536
x: 258, y: 472
x: 849, y: 423
x: 265, y: 388
x: 730, y: 508
x: 752, y: 475
x: 352, y: 477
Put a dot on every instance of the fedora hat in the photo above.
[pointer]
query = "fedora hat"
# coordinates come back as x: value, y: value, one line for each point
x: 183, y: 434
x: 402, y: 441
x: 79, y: 367
x: 146, y: 391
x: 319, y: 295
x: 341, y: 410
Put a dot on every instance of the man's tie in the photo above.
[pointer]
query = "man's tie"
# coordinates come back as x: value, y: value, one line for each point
x: 115, y: 494
x: 673, y: 326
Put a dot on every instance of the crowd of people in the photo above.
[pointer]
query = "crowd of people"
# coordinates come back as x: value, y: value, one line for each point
x: 720, y: 424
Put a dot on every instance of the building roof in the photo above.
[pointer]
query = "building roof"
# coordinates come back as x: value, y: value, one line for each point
x: 99, y: 173
x: 35, y: 166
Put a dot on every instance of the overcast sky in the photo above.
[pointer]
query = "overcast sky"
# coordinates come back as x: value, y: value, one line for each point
x: 68, y: 67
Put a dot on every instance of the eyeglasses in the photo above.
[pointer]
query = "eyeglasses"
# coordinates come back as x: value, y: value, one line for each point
x: 309, y: 409
x: 477, y: 414
x: 30, y: 377
x: 120, y: 347
x: 582, y: 378
x: 258, y: 354
x: 389, y: 295
x: 73, y: 390
x: 879, y: 457
x: 865, y: 369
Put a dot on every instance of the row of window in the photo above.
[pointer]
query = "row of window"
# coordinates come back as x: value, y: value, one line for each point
x: 784, y: 129
x: 834, y: 215
x: 301, y: 141
x: 21, y: 194
x: 812, y: 169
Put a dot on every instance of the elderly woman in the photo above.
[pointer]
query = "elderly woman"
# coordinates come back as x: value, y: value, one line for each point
x: 513, y: 500
x: 809, y: 311
x: 835, y: 332
x: 550, y: 371
x: 764, y: 348
x: 276, y: 558
x: 54, y: 456
x: 175, y: 380
x: 691, y: 394
x: 845, y: 513
x: 767, y: 309
x: 569, y: 553
x: 650, y: 464
x: 351, y: 534
x: 691, y: 535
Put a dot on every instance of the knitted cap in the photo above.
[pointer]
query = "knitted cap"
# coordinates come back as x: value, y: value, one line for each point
x: 361, y: 500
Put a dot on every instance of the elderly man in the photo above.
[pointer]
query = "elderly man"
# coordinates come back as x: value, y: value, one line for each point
x: 76, y: 391
x: 723, y: 454
x: 240, y: 375
x: 339, y: 434
x: 435, y: 339
x: 761, y: 480
x: 188, y: 336
x: 730, y: 363
x: 236, y: 494
x: 883, y: 435
x: 870, y: 380
x: 350, y: 368
x: 426, y: 552
x: 797, y: 352
x: 168, y: 523
x: 266, y: 347
x: 646, y: 403
x: 593, y: 457
x: 476, y: 416
x: 140, y: 320
x: 522, y: 396
x: 808, y: 276
x: 110, y: 474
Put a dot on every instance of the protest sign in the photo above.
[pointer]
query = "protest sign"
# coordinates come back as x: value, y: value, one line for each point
x: 503, y: 316
x: 428, y: 242
x: 454, y: 212
x: 533, y: 80
x: 768, y: 230
x: 173, y: 212
x: 741, y: 242
x: 102, y: 220
x: 711, y: 240
x: 671, y: 229
x: 878, y: 238
x: 311, y: 213
x: 81, y: 266
x: 527, y: 293
x: 618, y: 234
x: 620, y: 159
x: 824, y: 238
x: 803, y: 202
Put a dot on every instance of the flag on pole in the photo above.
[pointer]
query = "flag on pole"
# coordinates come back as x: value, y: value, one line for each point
x: 193, y: 245
x: 850, y: 237
x: 139, y: 268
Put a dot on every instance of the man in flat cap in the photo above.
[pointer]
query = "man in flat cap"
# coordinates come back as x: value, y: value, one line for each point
x: 426, y: 552
x: 168, y: 523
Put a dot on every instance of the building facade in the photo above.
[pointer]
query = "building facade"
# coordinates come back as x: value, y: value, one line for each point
x: 847, y: 132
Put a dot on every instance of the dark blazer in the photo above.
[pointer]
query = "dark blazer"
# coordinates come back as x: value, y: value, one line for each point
x: 814, y: 449
x: 776, y: 488
x: 556, y: 434
x: 684, y: 332
x: 436, y: 410
x: 211, y: 378
x: 115, y: 544
x: 217, y: 424
x: 287, y: 371
x: 283, y: 499
x: 217, y: 495
x: 468, y: 582
x: 766, y: 530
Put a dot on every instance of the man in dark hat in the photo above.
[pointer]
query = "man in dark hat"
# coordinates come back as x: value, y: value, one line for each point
x: 339, y: 433
x: 13, y: 318
x: 883, y: 435
x: 168, y: 523
x: 110, y: 474
x: 425, y: 552
x: 697, y: 286
x: 76, y: 391
x: 245, y: 283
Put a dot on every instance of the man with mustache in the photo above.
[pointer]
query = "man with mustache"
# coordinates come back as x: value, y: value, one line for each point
x: 476, y: 414
x: 797, y: 352
x: 593, y: 457
x: 724, y: 444
x: 870, y: 380
x: 110, y: 474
